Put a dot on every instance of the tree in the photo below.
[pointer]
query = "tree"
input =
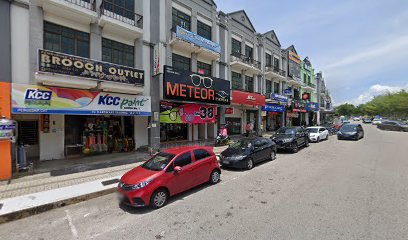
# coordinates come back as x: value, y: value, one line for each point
x: 346, y: 109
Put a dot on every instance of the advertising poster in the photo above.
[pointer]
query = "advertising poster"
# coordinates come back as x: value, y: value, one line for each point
x: 32, y: 99
x: 194, y: 87
x: 187, y: 113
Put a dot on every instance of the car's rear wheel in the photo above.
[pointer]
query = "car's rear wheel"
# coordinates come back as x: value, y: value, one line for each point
x: 318, y: 139
x: 159, y: 198
x: 215, y: 177
x: 327, y: 137
x: 295, y: 148
x: 249, y: 164
x: 273, y: 155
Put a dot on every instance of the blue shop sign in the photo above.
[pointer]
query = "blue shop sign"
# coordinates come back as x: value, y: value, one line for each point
x: 279, y: 98
x: 287, y: 91
x: 312, y: 106
x: 197, y: 39
x: 271, y: 107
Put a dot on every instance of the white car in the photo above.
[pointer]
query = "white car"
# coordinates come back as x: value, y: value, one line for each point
x: 317, y: 133
x: 356, y: 119
x: 376, y: 121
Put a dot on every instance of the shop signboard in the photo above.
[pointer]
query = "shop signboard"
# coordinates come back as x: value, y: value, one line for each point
x: 64, y: 64
x: 197, y: 40
x: 312, y: 106
x: 191, y: 113
x: 194, y: 87
x: 306, y: 96
x: 271, y: 107
x: 279, y: 98
x: 229, y: 110
x: 33, y: 99
x: 287, y: 91
x: 247, y: 98
x: 298, y: 106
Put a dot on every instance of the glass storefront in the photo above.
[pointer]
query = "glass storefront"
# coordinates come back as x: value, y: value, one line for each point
x: 233, y: 125
x: 173, y: 132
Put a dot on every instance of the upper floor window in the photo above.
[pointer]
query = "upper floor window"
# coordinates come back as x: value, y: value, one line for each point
x: 276, y: 88
x: 304, y: 78
x: 276, y: 63
x: 204, y: 30
x: 181, y: 19
x: 249, y: 84
x: 118, y: 53
x: 204, y: 68
x: 66, y: 40
x: 236, y: 79
x: 181, y: 63
x: 268, y: 60
x: 236, y: 47
x: 249, y: 51
x: 308, y: 79
x: 268, y: 86
x: 125, y: 8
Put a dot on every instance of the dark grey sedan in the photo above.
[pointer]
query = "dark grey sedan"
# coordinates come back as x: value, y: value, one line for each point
x: 393, y: 126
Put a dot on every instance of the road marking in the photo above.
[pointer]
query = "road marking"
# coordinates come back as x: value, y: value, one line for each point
x: 71, y: 225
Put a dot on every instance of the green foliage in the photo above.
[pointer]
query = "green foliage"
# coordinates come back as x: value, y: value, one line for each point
x: 392, y: 105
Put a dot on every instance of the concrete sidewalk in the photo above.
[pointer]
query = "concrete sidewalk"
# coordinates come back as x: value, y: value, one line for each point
x: 41, y: 192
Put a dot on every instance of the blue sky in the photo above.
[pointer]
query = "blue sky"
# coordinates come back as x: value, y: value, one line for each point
x: 360, y: 45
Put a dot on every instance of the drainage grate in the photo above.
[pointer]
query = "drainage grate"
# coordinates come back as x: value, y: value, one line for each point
x: 109, y: 182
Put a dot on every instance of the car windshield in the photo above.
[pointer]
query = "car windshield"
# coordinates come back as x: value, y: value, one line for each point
x: 349, y: 128
x: 242, y: 144
x: 312, y: 130
x: 158, y: 162
x: 287, y: 131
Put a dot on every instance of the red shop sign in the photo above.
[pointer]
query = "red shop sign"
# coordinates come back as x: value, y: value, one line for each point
x: 246, y: 98
x: 229, y: 110
x: 299, y: 110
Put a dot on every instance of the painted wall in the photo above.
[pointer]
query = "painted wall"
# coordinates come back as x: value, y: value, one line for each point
x: 52, y: 143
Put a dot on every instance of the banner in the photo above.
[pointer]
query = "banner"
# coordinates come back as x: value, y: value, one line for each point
x: 279, y: 98
x: 197, y: 40
x: 298, y: 106
x: 247, y: 98
x: 55, y: 62
x: 194, y: 87
x: 187, y: 113
x: 271, y: 107
x: 32, y: 99
x: 312, y: 106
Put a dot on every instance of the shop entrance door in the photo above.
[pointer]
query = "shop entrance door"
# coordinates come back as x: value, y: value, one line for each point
x: 28, y: 136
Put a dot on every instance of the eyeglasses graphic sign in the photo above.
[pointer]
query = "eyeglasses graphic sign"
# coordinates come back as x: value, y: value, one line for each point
x: 187, y: 113
x: 194, y: 87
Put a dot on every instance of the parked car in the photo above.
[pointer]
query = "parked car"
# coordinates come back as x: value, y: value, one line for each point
x: 317, y: 133
x: 168, y: 173
x: 367, y: 120
x: 376, y: 121
x: 356, y: 119
x: 291, y: 138
x: 331, y: 128
x: 351, y: 131
x: 393, y: 126
x: 246, y: 152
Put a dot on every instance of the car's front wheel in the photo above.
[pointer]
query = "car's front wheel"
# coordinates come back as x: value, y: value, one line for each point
x: 159, y: 198
x: 295, y: 148
x: 249, y: 164
x: 215, y: 177
x: 273, y: 155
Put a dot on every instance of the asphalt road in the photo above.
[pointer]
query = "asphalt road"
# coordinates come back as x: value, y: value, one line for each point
x: 331, y: 190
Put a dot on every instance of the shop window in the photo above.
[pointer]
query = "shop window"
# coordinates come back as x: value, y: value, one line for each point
x: 201, y: 154
x: 183, y: 160
x: 236, y: 81
x: 249, y: 52
x: 249, y: 84
x: 304, y: 78
x: 181, y: 63
x: 308, y: 79
x: 118, y: 53
x: 180, y: 19
x: 233, y: 125
x: 268, y: 58
x: 236, y: 47
x: 276, y: 88
x: 28, y: 132
x: 204, y: 68
x: 66, y: 40
x: 204, y: 30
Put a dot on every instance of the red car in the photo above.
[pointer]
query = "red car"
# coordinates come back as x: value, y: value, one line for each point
x: 168, y: 173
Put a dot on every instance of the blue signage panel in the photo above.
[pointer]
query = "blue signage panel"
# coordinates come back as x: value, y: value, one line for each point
x: 287, y: 91
x: 312, y: 106
x: 279, y: 98
x: 197, y: 40
x: 271, y: 107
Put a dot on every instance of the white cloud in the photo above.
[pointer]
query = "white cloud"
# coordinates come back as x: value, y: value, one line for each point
x: 376, y: 90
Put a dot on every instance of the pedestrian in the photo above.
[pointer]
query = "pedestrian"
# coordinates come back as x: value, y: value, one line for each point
x: 248, y: 129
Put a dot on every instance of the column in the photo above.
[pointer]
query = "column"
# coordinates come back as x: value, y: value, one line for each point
x: 96, y: 42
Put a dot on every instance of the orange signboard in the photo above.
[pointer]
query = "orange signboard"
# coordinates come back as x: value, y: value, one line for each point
x: 5, y: 146
x: 294, y: 57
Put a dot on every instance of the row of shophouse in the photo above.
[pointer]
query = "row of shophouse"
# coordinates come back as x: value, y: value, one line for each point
x: 88, y: 76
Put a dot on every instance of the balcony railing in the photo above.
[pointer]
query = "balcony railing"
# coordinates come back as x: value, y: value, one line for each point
x: 88, y: 4
x: 270, y: 68
x: 310, y: 85
x: 247, y: 60
x: 121, y: 14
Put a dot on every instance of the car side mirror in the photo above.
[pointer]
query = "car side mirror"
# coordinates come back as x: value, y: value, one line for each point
x: 177, y: 169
